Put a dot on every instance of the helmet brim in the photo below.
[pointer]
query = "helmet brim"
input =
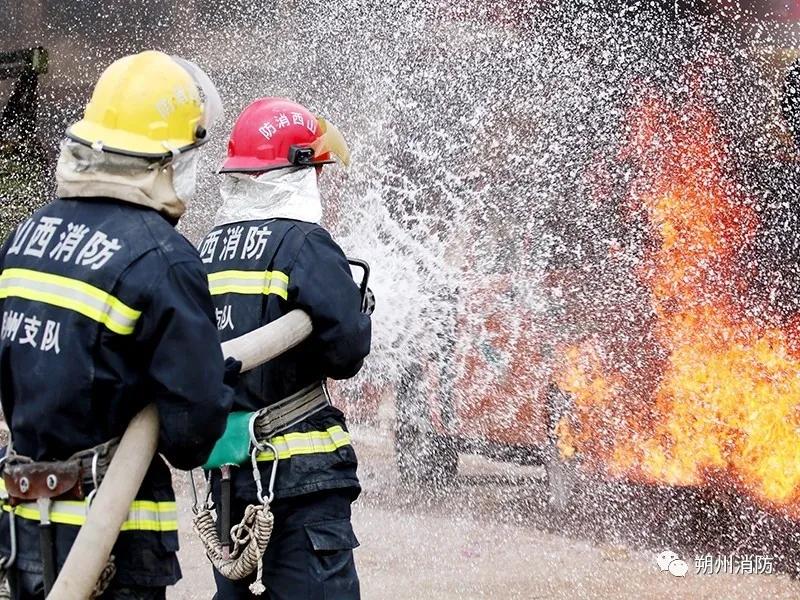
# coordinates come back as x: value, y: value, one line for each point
x: 248, y: 165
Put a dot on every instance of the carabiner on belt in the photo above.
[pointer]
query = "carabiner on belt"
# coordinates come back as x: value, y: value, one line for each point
x: 207, y: 503
x: 95, y: 484
x: 267, y: 499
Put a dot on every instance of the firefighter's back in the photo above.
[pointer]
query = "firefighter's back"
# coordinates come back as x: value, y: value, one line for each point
x: 85, y: 288
x: 75, y: 280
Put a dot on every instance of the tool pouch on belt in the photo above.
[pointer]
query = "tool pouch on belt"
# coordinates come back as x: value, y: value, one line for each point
x: 30, y: 481
x: 233, y: 448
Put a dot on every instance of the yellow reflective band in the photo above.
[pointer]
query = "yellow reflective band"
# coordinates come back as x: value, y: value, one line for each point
x: 144, y: 515
x: 310, y: 442
x: 70, y: 294
x: 249, y: 282
x: 147, y: 515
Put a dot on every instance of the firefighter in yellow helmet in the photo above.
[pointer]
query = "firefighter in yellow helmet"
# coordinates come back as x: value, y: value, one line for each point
x: 105, y: 308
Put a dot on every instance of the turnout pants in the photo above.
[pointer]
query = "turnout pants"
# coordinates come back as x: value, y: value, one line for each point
x: 29, y: 586
x: 310, y: 553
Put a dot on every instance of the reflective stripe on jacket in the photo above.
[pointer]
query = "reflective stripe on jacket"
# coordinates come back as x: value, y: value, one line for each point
x: 145, y: 515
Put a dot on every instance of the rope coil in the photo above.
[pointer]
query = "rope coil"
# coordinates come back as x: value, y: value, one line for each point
x: 250, y: 538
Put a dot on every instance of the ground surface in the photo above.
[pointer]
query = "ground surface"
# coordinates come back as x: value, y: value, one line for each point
x: 489, y: 536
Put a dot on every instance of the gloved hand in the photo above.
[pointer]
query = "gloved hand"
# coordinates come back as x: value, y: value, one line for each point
x: 233, y: 369
x: 369, y: 302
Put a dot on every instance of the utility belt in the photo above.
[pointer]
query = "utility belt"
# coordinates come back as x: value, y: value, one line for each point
x: 246, y: 436
x: 46, y: 482
x: 29, y: 481
x: 278, y: 417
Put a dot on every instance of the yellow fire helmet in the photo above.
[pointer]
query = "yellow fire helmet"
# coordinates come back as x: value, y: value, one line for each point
x: 149, y: 105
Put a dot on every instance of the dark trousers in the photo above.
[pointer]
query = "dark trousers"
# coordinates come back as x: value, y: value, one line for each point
x: 29, y: 586
x: 310, y: 553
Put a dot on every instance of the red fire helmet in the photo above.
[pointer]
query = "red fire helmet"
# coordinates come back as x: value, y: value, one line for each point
x: 273, y: 133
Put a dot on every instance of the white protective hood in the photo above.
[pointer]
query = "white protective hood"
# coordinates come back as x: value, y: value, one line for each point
x: 86, y: 172
x: 290, y: 193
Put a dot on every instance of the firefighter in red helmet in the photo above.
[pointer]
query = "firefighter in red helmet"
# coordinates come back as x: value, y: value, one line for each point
x: 265, y: 256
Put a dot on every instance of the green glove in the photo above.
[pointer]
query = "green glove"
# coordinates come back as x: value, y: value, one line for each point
x: 233, y: 448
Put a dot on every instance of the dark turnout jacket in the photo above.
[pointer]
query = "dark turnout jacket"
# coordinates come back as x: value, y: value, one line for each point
x: 259, y: 271
x: 105, y: 308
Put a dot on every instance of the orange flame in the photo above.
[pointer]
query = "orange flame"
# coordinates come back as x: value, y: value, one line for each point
x: 724, y: 401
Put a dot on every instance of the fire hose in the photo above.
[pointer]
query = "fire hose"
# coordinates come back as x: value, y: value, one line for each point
x: 89, y: 554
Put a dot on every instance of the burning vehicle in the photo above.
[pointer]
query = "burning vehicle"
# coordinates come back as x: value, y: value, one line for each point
x: 672, y: 359
x: 713, y: 401
x: 492, y: 396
